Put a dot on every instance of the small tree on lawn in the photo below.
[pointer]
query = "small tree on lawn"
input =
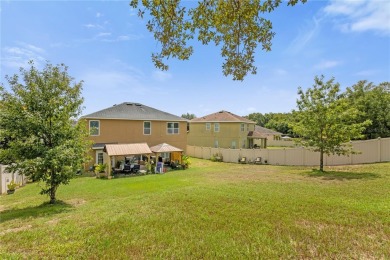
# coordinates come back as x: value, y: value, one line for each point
x: 38, y: 120
x: 325, y: 120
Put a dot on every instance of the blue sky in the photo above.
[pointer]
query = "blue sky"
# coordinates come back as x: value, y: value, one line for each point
x: 106, y: 45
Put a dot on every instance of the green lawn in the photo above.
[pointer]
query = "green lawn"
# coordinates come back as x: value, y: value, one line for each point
x: 212, y: 210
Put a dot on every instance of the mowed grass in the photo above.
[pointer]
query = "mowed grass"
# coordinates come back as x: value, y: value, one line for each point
x: 210, y: 211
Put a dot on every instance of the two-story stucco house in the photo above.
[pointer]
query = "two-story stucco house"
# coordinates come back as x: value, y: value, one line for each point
x: 134, y: 123
x: 223, y: 129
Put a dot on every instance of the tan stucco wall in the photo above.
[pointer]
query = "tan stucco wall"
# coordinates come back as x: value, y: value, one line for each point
x: 126, y: 131
x: 228, y: 132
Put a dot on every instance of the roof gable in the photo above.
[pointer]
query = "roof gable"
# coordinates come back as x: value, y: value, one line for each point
x: 134, y: 111
x: 222, y: 116
x: 264, y: 130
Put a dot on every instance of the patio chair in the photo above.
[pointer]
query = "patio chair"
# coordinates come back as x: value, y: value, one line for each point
x: 243, y: 160
x: 258, y: 160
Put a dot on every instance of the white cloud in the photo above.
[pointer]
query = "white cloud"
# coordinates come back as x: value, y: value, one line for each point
x: 114, y: 83
x: 327, y: 64
x: 366, y: 73
x: 251, y: 109
x: 280, y: 72
x: 103, y: 34
x: 360, y: 15
x: 305, y: 35
x: 121, y: 38
x: 161, y: 75
x: 98, y: 15
x: 19, y: 55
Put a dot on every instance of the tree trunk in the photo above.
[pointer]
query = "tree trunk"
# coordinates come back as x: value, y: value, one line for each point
x: 52, y: 195
x: 53, y: 188
x: 321, y: 160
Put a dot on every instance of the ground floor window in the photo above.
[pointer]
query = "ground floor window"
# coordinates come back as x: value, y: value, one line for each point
x: 233, y: 144
x: 99, y: 158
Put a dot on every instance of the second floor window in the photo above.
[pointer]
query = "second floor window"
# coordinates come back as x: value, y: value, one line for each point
x: 147, y: 128
x: 208, y: 126
x: 242, y: 127
x: 94, y: 127
x: 172, y: 128
x: 216, y: 127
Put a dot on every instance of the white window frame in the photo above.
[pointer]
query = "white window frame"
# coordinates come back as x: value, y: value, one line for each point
x: 99, y: 152
x: 234, y: 145
x: 150, y: 127
x: 208, y: 126
x: 216, y: 144
x: 174, y: 130
x: 216, y: 127
x: 242, y: 127
x: 90, y: 128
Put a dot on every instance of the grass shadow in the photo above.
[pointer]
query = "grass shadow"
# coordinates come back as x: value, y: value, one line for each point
x: 45, y: 209
x: 341, y: 176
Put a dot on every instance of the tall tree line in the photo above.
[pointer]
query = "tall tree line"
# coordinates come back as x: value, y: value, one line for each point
x: 372, y: 101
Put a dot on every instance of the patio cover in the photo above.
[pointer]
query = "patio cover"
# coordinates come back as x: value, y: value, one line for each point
x: 256, y: 135
x: 165, y: 148
x: 127, y: 149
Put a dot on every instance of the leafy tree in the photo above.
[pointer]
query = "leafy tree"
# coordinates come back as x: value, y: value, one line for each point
x: 188, y: 116
x: 374, y: 103
x: 325, y: 121
x: 280, y: 122
x: 259, y: 118
x: 239, y: 26
x: 38, y: 121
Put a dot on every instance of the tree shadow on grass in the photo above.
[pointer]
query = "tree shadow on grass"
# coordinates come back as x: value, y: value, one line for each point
x: 45, y: 209
x: 341, y: 176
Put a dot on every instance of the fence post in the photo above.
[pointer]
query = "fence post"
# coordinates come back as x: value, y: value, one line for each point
x: 379, y: 140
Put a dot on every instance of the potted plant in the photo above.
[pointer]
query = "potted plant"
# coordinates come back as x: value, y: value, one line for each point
x: 100, y: 170
x: 185, y: 161
x: 11, y: 187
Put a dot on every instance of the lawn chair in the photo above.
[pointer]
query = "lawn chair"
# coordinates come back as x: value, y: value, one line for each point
x: 243, y: 160
x: 258, y: 160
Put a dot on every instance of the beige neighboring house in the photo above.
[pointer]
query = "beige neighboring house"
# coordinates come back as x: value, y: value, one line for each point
x: 131, y: 123
x: 225, y: 130
x: 268, y: 133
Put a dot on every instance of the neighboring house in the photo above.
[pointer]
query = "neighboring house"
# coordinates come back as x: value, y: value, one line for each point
x: 134, y: 123
x: 268, y: 133
x: 223, y: 129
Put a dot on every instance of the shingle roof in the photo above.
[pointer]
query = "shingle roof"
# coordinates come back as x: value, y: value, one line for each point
x: 264, y: 130
x: 255, y: 134
x: 222, y: 116
x: 133, y: 111
x: 97, y: 146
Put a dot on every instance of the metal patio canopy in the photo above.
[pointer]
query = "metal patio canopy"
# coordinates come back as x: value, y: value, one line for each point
x: 125, y: 149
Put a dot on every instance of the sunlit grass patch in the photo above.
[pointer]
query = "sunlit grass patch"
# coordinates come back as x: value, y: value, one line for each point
x: 212, y: 210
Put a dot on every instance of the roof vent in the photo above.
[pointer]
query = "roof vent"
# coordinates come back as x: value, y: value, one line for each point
x: 138, y: 104
x: 129, y: 103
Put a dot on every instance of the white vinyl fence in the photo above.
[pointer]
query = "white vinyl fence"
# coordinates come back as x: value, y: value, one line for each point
x: 6, y: 178
x: 282, y: 143
x: 370, y: 151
